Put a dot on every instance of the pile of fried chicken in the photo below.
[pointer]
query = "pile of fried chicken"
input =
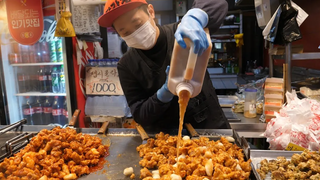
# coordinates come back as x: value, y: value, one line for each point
x: 54, y: 154
x: 199, y: 159
x: 304, y: 166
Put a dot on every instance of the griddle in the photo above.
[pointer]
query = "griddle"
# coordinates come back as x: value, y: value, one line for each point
x: 123, y: 144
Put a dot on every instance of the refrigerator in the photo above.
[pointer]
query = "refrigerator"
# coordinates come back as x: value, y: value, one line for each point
x: 34, y: 78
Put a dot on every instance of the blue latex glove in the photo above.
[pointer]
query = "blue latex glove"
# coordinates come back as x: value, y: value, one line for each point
x: 163, y: 94
x: 191, y: 27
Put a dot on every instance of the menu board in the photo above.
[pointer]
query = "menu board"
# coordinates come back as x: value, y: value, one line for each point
x: 102, y: 81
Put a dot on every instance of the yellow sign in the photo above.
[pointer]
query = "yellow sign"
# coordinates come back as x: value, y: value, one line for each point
x: 294, y: 147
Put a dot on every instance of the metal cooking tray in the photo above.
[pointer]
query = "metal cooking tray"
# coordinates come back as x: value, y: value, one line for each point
x: 123, y: 152
x: 258, y: 155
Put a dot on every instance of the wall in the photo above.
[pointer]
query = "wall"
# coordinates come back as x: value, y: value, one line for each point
x: 310, y: 31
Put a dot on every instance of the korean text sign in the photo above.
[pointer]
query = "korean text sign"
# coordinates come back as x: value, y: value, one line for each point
x: 25, y: 20
x: 102, y: 81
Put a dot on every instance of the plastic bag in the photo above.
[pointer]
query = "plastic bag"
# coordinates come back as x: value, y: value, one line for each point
x: 299, y: 120
x: 285, y: 28
x: 64, y: 27
x: 255, y: 85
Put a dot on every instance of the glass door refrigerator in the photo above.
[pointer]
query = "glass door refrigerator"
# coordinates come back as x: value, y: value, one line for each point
x: 35, y: 78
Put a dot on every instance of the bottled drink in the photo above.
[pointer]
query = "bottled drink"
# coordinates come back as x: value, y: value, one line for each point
x: 47, y: 112
x: 42, y: 79
x: 34, y: 80
x: 57, y: 111
x: 25, y: 57
x: 28, y: 111
x: 33, y: 53
x: 187, y: 70
x: 53, y: 53
x: 62, y: 80
x: 22, y: 82
x: 38, y: 112
x: 45, y: 52
x: 49, y: 79
x: 59, y: 50
x: 65, y: 112
x: 55, y: 80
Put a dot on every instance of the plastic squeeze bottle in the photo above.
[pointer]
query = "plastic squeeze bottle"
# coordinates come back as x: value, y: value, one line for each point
x: 187, y: 69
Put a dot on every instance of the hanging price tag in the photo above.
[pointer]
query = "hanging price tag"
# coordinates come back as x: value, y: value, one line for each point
x: 294, y: 147
x: 103, y: 81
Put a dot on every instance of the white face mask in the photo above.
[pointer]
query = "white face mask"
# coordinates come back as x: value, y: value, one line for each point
x: 143, y: 38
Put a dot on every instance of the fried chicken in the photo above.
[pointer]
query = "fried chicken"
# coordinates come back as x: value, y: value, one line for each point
x: 199, y: 159
x: 54, y: 154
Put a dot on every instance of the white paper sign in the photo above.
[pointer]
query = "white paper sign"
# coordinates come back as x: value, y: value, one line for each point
x: 103, y: 81
x: 85, y: 19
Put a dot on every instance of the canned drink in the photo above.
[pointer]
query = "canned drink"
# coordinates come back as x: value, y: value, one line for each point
x: 23, y: 48
x: 25, y: 57
x: 14, y: 58
x: 32, y: 57
x: 59, y: 50
x: 44, y: 46
x: 45, y: 56
x: 53, y: 53
x: 44, y: 52
x: 16, y: 47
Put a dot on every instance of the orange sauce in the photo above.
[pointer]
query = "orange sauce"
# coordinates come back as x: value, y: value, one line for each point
x: 189, y: 73
x: 101, y: 162
x: 184, y: 97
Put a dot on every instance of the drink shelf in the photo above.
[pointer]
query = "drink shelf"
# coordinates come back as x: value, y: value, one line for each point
x: 38, y: 64
x: 40, y: 94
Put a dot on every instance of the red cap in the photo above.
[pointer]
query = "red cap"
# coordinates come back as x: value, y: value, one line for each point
x: 115, y: 8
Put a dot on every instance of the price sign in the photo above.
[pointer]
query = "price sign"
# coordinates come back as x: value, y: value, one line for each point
x: 25, y: 20
x: 103, y: 81
x: 294, y: 147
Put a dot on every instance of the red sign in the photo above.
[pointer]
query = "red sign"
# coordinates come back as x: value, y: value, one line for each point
x: 25, y: 20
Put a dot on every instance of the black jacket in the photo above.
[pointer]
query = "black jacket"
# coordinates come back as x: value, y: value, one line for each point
x: 141, y: 77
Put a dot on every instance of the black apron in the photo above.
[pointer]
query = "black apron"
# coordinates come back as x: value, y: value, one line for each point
x: 203, y: 111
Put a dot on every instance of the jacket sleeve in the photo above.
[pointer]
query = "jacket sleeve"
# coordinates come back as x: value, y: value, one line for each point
x: 145, y: 109
x: 216, y: 10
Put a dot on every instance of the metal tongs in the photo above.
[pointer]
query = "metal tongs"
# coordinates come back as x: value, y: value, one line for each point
x: 12, y: 126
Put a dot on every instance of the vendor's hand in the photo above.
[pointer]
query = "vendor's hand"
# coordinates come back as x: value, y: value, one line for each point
x: 163, y: 94
x: 191, y: 27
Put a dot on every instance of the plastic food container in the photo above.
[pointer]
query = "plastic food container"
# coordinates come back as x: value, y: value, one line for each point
x: 274, y: 83
x: 250, y: 110
x: 273, y: 91
x: 273, y: 100
x: 269, y: 117
x: 269, y: 110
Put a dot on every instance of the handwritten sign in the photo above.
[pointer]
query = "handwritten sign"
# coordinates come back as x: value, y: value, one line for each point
x: 103, y: 81
x: 85, y: 19
x: 294, y: 147
x: 25, y: 20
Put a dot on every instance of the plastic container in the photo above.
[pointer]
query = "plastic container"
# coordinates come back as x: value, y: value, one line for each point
x: 273, y: 91
x: 273, y: 100
x: 250, y: 110
x: 184, y: 63
x: 269, y: 110
x: 274, y: 83
x: 269, y: 117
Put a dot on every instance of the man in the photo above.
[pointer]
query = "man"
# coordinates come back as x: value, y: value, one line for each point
x: 142, y: 70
